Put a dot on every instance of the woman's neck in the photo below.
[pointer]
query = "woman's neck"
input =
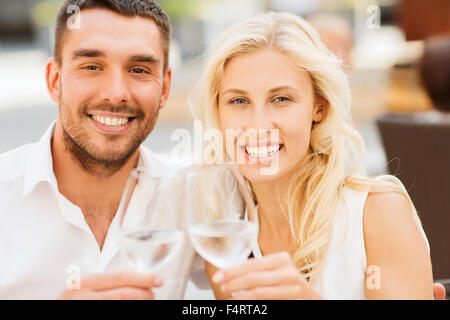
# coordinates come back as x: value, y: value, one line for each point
x: 272, y: 213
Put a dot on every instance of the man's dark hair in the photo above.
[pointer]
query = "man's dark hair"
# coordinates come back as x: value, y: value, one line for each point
x: 435, y: 71
x: 130, y: 8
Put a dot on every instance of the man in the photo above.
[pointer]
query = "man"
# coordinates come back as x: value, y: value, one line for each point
x: 110, y: 77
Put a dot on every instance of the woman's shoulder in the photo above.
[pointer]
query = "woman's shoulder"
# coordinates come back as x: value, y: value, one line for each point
x: 378, y: 202
x: 387, y: 208
x: 389, y: 215
x: 381, y: 197
x: 381, y: 214
x: 383, y: 194
x: 372, y: 184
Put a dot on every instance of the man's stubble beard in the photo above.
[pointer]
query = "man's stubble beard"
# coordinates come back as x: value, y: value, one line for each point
x: 77, y: 142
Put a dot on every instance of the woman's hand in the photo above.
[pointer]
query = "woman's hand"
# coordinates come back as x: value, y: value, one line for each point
x: 272, y: 277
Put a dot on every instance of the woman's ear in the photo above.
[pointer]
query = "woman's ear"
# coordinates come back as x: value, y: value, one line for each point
x: 319, y: 109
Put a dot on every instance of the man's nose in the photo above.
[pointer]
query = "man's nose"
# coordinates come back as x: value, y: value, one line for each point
x: 115, y: 89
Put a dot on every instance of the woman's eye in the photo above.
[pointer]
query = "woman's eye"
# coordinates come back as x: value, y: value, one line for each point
x: 238, y: 101
x: 282, y: 99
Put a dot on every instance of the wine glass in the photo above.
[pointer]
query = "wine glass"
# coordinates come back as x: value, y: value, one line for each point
x: 147, y: 248
x: 220, y: 212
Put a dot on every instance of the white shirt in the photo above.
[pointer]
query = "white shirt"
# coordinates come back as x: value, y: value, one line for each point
x: 45, y: 241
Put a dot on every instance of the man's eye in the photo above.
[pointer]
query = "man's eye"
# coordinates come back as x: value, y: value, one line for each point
x: 238, y: 101
x: 92, y: 68
x: 138, y: 70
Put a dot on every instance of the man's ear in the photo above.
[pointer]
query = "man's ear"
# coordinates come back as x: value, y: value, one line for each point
x: 167, y: 81
x: 52, y: 79
x: 319, y: 109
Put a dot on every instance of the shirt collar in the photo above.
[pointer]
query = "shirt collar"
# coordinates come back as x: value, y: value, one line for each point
x: 148, y: 160
x: 39, y: 163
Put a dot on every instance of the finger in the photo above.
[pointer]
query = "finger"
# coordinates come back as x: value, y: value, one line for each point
x: 125, y: 294
x: 278, y: 277
x: 122, y: 279
x: 77, y: 294
x: 114, y: 294
x: 270, y: 293
x: 265, y: 263
x: 439, y: 291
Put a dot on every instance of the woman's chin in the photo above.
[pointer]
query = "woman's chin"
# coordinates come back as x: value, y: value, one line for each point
x: 261, y: 174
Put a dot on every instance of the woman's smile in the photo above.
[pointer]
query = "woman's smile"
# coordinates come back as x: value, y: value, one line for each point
x: 263, y: 154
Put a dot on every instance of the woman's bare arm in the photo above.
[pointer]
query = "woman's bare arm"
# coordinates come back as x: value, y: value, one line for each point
x: 399, y: 265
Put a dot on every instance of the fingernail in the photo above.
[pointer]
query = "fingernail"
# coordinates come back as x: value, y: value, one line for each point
x: 158, y: 281
x: 218, y: 277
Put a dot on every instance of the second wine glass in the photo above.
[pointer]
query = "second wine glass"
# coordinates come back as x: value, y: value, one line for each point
x: 218, y: 208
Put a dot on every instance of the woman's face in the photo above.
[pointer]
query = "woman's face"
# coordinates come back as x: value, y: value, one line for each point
x: 260, y: 92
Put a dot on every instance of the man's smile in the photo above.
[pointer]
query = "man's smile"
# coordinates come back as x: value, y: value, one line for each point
x: 112, y: 123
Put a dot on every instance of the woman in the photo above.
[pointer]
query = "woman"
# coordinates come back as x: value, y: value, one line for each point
x: 326, y: 231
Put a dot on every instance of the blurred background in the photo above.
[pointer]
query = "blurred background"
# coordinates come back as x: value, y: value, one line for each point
x: 381, y: 41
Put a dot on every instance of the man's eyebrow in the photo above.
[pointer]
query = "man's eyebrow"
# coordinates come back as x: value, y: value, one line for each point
x: 90, y: 53
x: 145, y: 58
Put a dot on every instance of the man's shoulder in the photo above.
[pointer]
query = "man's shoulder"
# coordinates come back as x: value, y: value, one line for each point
x: 12, y: 163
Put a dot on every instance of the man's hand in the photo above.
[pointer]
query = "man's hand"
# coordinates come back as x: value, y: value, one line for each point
x: 116, y: 286
x: 438, y: 291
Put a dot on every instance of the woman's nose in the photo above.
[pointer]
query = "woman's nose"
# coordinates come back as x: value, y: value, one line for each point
x: 260, y: 118
x: 261, y: 124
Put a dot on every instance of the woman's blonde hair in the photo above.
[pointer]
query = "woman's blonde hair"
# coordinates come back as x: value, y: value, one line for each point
x: 336, y: 148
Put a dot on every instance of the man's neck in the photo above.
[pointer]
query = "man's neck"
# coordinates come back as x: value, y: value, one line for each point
x: 97, y: 196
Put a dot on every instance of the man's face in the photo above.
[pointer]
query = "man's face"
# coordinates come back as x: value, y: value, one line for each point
x: 112, y: 84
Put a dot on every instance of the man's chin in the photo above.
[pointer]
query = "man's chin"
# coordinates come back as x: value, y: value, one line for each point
x: 102, y: 162
x: 112, y: 156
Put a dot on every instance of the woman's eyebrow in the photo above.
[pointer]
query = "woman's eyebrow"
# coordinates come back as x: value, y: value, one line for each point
x: 283, y: 88
x: 238, y: 91
x: 276, y: 89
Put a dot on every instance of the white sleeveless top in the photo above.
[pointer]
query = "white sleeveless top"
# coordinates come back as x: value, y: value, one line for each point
x: 343, y: 271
